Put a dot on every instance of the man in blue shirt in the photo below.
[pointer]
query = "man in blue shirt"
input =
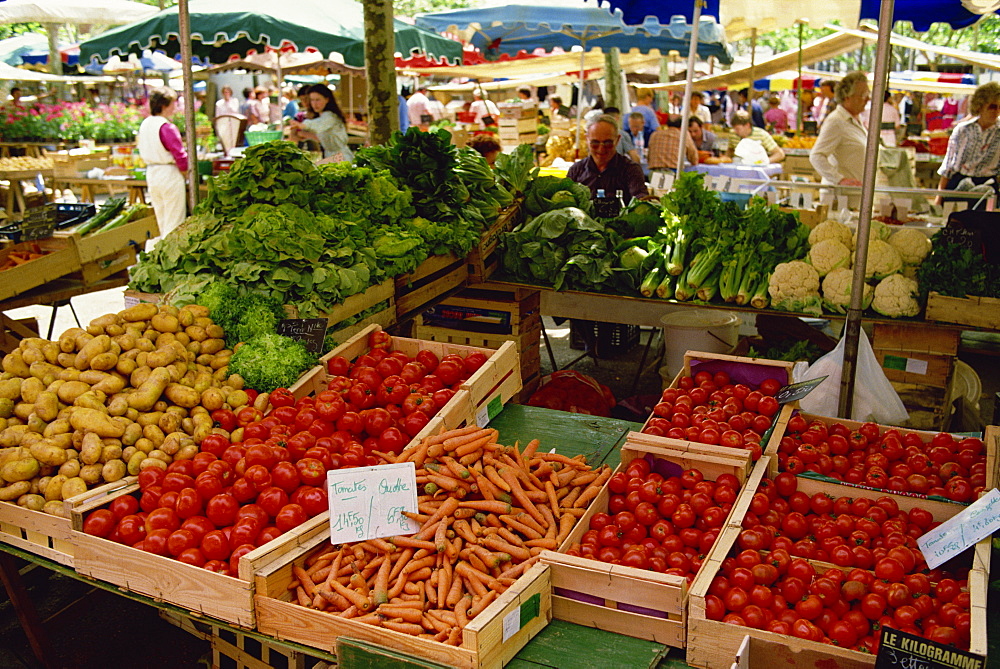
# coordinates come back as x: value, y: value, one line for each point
x: 754, y: 109
x: 644, y: 105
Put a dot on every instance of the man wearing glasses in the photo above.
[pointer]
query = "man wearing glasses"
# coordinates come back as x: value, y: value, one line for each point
x: 606, y: 169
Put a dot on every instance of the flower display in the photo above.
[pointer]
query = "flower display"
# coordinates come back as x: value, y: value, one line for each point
x: 70, y: 121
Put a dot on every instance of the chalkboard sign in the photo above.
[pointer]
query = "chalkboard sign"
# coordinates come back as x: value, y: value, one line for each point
x: 899, y: 650
x: 310, y: 331
x: 796, y: 391
x: 976, y: 230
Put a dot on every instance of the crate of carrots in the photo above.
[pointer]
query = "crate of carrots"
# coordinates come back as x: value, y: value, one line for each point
x: 445, y: 593
x: 31, y: 264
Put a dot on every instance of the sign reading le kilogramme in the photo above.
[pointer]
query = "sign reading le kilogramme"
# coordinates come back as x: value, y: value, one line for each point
x: 899, y: 650
x: 368, y: 502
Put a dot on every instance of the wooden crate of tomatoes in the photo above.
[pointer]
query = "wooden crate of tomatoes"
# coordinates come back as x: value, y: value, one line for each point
x: 822, y: 567
x: 487, y: 511
x: 893, y: 459
x: 389, y: 391
x: 627, y: 565
x: 722, y: 400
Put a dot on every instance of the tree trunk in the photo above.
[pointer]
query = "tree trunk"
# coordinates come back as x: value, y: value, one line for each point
x: 380, y: 65
x: 614, y: 95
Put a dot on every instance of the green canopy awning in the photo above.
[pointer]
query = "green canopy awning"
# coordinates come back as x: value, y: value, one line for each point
x: 222, y: 29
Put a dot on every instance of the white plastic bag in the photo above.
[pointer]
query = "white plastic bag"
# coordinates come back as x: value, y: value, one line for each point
x: 874, y: 397
x: 750, y: 152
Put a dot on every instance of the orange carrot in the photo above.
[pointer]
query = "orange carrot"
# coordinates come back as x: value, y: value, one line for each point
x: 483, y: 602
x: 461, y: 450
x: 566, y: 523
x: 355, y: 597
x: 517, y: 492
x: 495, y: 543
x: 593, y: 489
x: 407, y: 613
x: 486, y: 507
x: 405, y: 628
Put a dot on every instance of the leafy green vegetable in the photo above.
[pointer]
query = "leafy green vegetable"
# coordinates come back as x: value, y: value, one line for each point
x: 956, y: 270
x: 517, y: 169
x: 270, y: 361
x: 548, y: 193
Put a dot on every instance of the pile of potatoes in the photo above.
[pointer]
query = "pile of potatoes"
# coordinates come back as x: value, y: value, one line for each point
x: 133, y: 390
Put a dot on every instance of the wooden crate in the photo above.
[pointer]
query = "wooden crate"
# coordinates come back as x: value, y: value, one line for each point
x: 810, y: 217
x: 519, y: 125
x: 12, y: 331
x: 44, y: 534
x: 757, y: 652
x: 235, y: 650
x: 635, y: 602
x: 486, y: 391
x: 435, y: 277
x: 101, y: 268
x: 225, y: 598
x: 60, y: 260
x: 714, y: 644
x: 481, y: 308
x: 916, y: 354
x: 486, y: 642
x: 980, y: 312
x: 100, y: 246
x: 484, y: 260
x: 72, y: 164
x: 134, y: 297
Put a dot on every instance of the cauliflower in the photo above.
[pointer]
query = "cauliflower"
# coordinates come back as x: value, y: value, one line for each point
x: 837, y: 291
x: 883, y: 260
x: 794, y: 286
x: 896, y: 296
x: 878, y: 230
x: 830, y: 229
x: 828, y: 255
x: 913, y: 245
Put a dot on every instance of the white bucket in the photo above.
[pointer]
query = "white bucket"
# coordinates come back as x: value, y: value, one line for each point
x: 705, y: 330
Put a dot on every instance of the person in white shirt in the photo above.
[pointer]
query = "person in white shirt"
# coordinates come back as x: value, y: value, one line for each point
x: 890, y: 116
x: 482, y: 106
x: 699, y: 109
x: 416, y: 106
x: 823, y: 103
x: 838, y: 155
x: 227, y: 104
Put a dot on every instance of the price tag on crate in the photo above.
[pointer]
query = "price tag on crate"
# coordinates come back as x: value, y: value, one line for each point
x: 368, y: 502
x: 796, y: 391
x: 908, y: 651
x: 310, y: 331
x: 978, y: 521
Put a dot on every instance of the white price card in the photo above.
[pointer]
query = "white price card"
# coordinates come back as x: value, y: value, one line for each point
x: 979, y: 520
x: 368, y: 502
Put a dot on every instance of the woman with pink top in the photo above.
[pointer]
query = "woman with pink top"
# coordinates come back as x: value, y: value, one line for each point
x: 162, y: 150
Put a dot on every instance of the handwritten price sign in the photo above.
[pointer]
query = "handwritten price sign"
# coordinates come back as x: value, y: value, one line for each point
x: 368, y: 502
x: 953, y: 536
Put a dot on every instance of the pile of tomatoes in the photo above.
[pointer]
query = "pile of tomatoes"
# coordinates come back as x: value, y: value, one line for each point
x: 891, y: 460
x: 385, y: 397
x: 879, y: 578
x: 661, y: 524
x: 709, y: 409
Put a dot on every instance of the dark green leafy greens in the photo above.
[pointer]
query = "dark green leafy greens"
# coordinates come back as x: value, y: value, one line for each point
x: 956, y: 270
x: 548, y: 193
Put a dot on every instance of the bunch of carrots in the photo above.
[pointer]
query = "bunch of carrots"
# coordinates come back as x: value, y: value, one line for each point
x: 20, y: 256
x: 487, y: 512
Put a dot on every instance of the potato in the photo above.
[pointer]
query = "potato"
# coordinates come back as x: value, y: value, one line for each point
x: 144, y: 445
x: 70, y: 390
x: 214, y: 331
x: 31, y: 501
x: 73, y: 487
x: 165, y: 322
x: 24, y: 410
x: 36, y: 425
x: 237, y: 398
x: 13, y: 491
x: 221, y: 359
x: 15, y: 364
x: 118, y: 405
x: 6, y: 408
x: 92, y: 420
x: 152, y: 462
x: 91, y: 449
x: 126, y: 341
x: 161, y: 406
x: 164, y: 339
x: 213, y: 399
x: 150, y: 418
x: 56, y: 427
x: 185, y: 317
x: 104, y: 361
x: 161, y: 357
x: 147, y: 394
x: 183, y: 339
x: 125, y: 366
x: 92, y: 399
x: 144, y: 343
x: 31, y: 387
x: 111, y: 383
x: 169, y: 422
x: 111, y: 452
x: 53, y: 491
x: 139, y: 312
x: 132, y: 434
x: 154, y: 434
x: 70, y: 468
x: 48, y: 454
x: 134, y: 462
x: 195, y: 310
x: 202, y: 427
x: 114, y: 470
x: 212, y: 345
x: 114, y: 330
x: 97, y: 345
x: 10, y: 389
x: 31, y: 353
x: 67, y: 340
x: 55, y: 508
x: 157, y: 454
x: 47, y: 406
x: 91, y: 474
x: 105, y: 320
x: 187, y: 452
x: 182, y: 395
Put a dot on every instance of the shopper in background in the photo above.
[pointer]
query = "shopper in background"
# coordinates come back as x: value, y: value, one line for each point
x: 227, y: 104
x: 250, y: 108
x: 640, y: 135
x: 698, y: 108
x: 605, y: 169
x: 664, y: 143
x: 891, y: 121
x: 404, y: 116
x: 752, y: 107
x: 488, y: 148
x: 644, y: 105
x: 704, y: 140
x: 557, y: 108
x: 626, y: 146
x: 775, y: 116
x: 974, y: 145
x: 15, y: 98
x: 328, y: 127
x: 839, y: 152
x: 744, y: 129
x: 823, y: 103
x: 416, y: 106
x: 159, y: 143
x: 482, y: 107
x: 289, y: 103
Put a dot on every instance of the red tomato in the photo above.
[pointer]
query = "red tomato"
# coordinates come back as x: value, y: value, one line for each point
x: 449, y: 372
x: 221, y: 509
x: 290, y: 516
x: 473, y: 362
x: 100, y: 523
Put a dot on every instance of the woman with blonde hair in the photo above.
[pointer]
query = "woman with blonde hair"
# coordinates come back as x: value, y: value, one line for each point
x: 974, y: 146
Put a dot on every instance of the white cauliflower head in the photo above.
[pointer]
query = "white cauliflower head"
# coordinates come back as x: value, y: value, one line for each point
x: 837, y: 291
x: 912, y: 244
x: 883, y: 260
x: 896, y: 297
x: 829, y: 254
x: 878, y: 230
x: 794, y: 286
x: 831, y: 229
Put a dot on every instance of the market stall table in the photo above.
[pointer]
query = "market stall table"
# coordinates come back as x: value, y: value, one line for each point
x: 15, y: 202
x: 136, y: 188
x: 60, y: 292
x: 734, y: 171
x: 31, y: 149
x: 565, y: 643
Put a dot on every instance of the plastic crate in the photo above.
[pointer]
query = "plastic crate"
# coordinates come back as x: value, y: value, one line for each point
x: 608, y: 340
x: 260, y: 136
x: 69, y: 214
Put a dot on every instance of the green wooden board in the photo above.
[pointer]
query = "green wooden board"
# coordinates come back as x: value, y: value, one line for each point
x: 355, y: 654
x: 563, y: 645
x: 568, y: 433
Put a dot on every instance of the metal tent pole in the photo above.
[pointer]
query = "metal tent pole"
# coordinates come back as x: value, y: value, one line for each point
x: 688, y: 85
x: 184, y: 28
x: 579, y: 96
x: 853, y: 325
